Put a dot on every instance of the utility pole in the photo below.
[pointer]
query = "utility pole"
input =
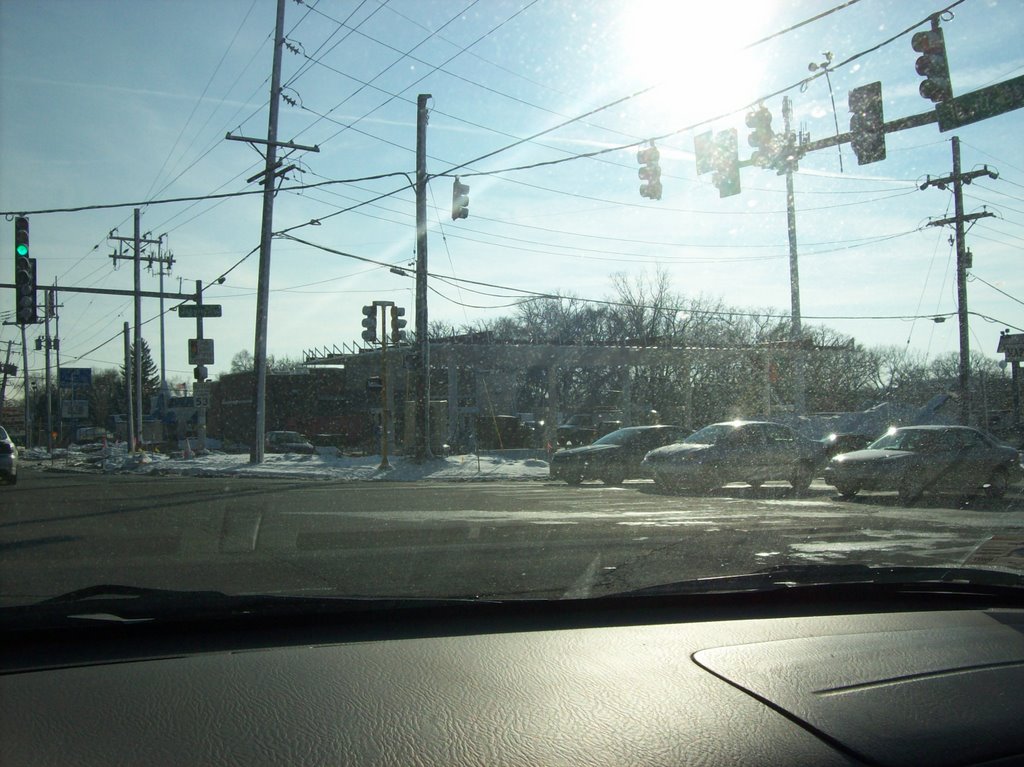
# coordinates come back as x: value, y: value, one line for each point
x: 963, y: 263
x: 48, y: 311
x: 28, y: 390
x: 137, y: 243
x: 422, y: 409
x: 169, y: 262
x: 795, y: 332
x: 270, y: 174
x: 128, y: 390
x: 6, y: 371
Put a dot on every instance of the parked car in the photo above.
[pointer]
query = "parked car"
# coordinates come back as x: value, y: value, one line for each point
x: 736, y: 451
x: 8, y: 458
x: 288, y: 442
x: 913, y: 460
x: 613, y: 457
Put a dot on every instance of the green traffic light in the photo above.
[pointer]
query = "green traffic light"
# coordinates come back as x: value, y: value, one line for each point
x: 21, y: 249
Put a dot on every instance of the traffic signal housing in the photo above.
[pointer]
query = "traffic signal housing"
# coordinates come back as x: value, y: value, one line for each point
x: 26, y: 310
x: 460, y: 200
x: 718, y: 154
x: 649, y: 172
x: 932, y: 64
x: 761, y: 134
x: 370, y: 324
x: 397, y: 323
x: 867, y: 123
x: 726, y: 163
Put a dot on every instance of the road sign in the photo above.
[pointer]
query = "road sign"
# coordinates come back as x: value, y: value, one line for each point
x: 201, y: 393
x: 200, y: 351
x: 1012, y: 346
x: 981, y: 104
x: 191, y: 310
x: 73, y: 378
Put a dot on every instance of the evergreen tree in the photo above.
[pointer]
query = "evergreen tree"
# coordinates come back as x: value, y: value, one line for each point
x: 150, y: 374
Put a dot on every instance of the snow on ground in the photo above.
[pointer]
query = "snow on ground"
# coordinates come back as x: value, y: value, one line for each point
x: 324, y: 465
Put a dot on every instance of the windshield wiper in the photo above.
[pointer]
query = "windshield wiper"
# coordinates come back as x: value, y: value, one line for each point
x: 823, y: 577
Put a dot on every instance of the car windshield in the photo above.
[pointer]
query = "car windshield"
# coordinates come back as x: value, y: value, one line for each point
x: 321, y: 298
x: 712, y: 435
x: 618, y: 437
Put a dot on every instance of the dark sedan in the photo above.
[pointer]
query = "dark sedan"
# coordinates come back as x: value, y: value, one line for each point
x: 913, y: 460
x: 8, y: 458
x: 288, y: 442
x: 737, y: 451
x: 614, y: 457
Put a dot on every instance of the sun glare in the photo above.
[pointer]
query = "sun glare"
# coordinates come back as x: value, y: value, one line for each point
x: 695, y: 52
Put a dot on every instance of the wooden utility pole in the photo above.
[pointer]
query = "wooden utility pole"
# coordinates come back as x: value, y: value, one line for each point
x: 270, y: 175
x: 963, y: 263
x: 422, y: 409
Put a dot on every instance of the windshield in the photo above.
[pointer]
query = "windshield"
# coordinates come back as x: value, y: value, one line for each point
x: 323, y: 307
x: 712, y: 435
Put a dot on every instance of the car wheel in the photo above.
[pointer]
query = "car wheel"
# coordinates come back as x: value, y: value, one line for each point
x: 909, y: 491
x: 754, y: 484
x: 847, y: 491
x: 997, y: 484
x: 802, y: 477
x: 574, y: 479
x: 667, y: 484
x: 613, y: 478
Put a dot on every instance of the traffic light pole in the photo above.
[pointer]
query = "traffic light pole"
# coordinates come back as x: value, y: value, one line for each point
x: 796, y: 330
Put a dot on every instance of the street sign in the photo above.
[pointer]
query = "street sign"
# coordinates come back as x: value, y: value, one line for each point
x: 981, y: 104
x: 73, y: 378
x: 1012, y: 346
x: 200, y: 351
x: 191, y: 310
x: 201, y: 393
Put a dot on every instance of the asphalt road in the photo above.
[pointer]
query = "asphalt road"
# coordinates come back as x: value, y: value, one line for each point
x: 60, y: 532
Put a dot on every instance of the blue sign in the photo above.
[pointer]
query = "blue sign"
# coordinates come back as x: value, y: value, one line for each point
x: 73, y: 378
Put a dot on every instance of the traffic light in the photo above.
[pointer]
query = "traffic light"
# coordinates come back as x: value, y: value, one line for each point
x: 24, y: 275
x: 649, y: 172
x: 370, y: 324
x: 726, y: 163
x: 460, y: 200
x: 867, y: 123
x: 932, y: 64
x: 397, y: 323
x: 761, y: 135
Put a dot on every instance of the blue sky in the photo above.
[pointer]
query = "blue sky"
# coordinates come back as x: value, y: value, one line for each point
x: 122, y: 101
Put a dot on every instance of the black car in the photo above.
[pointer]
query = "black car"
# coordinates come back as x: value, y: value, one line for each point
x: 913, y: 460
x: 8, y: 458
x: 614, y: 457
x: 288, y: 442
x: 736, y: 451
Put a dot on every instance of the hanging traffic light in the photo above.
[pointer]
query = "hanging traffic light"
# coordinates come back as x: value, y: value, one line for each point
x: 867, y: 123
x: 26, y: 310
x: 397, y: 323
x: 649, y: 172
x: 719, y: 153
x: 726, y: 163
x: 761, y: 135
x: 932, y: 64
x: 460, y: 200
x: 370, y: 324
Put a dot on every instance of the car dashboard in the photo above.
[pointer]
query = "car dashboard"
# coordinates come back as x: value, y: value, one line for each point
x: 575, y: 684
